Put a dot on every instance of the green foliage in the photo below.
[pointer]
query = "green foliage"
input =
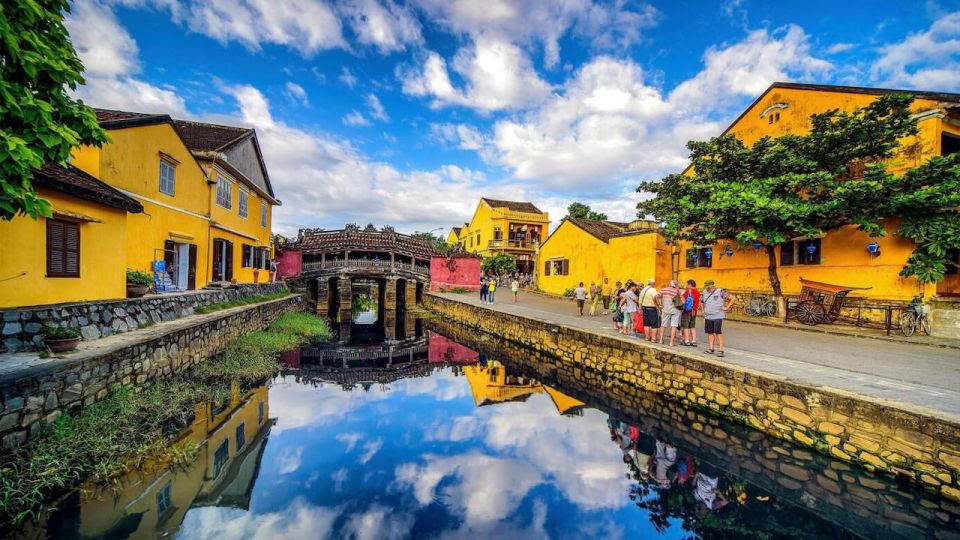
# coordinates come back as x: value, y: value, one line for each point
x: 240, y: 302
x: 438, y: 242
x: 499, y: 264
x: 460, y: 290
x: 56, y: 332
x: 129, y: 428
x: 138, y: 277
x: 790, y: 186
x: 39, y: 121
x: 580, y: 210
x: 568, y: 293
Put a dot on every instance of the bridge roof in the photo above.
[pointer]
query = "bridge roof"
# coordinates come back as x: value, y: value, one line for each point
x: 368, y: 239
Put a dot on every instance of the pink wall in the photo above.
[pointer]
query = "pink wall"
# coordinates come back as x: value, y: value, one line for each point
x: 289, y: 263
x: 446, y: 351
x: 464, y: 273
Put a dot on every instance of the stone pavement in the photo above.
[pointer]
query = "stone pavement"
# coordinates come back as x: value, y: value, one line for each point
x: 908, y: 374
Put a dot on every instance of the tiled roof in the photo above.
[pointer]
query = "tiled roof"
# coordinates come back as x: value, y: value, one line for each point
x: 456, y: 230
x: 513, y: 206
x: 602, y: 230
x: 940, y: 96
x: 74, y: 181
x: 111, y: 118
x: 208, y: 137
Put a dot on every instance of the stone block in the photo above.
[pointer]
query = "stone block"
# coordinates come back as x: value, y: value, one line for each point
x: 830, y: 428
x: 9, y: 421
x: 799, y: 417
x: 90, y: 332
x: 14, y: 404
x: 12, y: 328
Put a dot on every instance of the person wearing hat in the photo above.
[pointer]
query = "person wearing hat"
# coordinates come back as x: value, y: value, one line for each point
x: 715, y: 303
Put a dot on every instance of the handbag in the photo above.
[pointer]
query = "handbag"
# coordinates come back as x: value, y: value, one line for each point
x: 617, y: 315
x: 638, y: 323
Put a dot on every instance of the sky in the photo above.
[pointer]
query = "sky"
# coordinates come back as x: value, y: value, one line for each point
x: 406, y: 113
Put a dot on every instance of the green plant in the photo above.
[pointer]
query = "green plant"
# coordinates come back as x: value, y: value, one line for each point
x: 568, y: 293
x: 240, y: 302
x: 499, y: 264
x: 580, y: 210
x: 56, y: 332
x: 138, y: 277
x: 459, y: 290
x: 42, y: 122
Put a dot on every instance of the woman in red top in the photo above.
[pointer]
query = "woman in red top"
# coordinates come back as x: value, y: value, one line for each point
x: 688, y: 319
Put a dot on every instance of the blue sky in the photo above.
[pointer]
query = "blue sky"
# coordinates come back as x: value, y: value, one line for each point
x: 405, y: 113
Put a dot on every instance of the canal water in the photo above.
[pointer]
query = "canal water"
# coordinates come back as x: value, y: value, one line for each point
x: 446, y: 434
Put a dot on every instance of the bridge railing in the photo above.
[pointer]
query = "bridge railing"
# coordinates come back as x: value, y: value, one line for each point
x: 380, y: 264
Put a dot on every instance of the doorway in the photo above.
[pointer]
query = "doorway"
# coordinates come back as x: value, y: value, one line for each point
x: 181, y: 263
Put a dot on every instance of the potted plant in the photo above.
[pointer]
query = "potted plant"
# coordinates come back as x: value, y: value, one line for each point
x: 60, y: 340
x: 138, y: 283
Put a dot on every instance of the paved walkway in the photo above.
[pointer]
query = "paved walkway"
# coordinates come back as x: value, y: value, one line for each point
x: 920, y: 377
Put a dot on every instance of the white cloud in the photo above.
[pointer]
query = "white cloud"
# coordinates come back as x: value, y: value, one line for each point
x: 355, y: 118
x: 838, y: 48
x: 290, y: 460
x: 296, y: 521
x: 296, y: 92
x: 463, y: 136
x: 376, y: 108
x: 110, y: 56
x: 347, y: 77
x: 928, y: 60
x: 383, y: 24
x: 498, y: 76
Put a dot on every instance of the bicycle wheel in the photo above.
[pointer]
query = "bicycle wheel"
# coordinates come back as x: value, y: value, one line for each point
x: 925, y: 324
x: 770, y: 309
x: 908, y: 325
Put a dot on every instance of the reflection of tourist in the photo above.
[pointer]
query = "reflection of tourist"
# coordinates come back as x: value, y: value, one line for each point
x: 707, y: 489
x: 666, y: 458
x: 644, y: 449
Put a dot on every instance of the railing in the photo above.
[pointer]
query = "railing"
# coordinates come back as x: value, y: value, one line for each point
x: 512, y: 244
x: 333, y: 264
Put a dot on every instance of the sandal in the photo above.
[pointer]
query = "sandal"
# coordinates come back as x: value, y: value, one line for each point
x: 720, y: 354
x: 709, y: 351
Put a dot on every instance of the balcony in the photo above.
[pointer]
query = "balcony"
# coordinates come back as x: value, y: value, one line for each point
x: 519, y: 245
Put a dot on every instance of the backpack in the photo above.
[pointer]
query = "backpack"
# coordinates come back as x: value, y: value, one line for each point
x: 678, y: 301
x: 688, y: 303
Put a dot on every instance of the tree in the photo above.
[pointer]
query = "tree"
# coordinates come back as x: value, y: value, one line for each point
x: 39, y: 122
x: 499, y: 264
x: 795, y: 185
x: 580, y: 210
x: 439, y: 243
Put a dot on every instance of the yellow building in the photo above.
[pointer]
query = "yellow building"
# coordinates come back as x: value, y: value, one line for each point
x: 589, y: 251
x: 841, y: 256
x: 79, y: 253
x: 206, y: 194
x: 504, y: 227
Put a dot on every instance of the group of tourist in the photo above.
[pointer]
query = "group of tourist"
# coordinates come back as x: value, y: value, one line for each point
x: 489, y: 284
x: 652, y: 312
x: 654, y: 460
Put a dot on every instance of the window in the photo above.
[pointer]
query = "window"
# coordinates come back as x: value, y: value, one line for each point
x: 163, y: 500
x: 953, y: 262
x: 222, y: 260
x: 260, y: 413
x: 263, y: 213
x: 773, y: 118
x: 700, y: 257
x: 949, y: 144
x: 557, y: 267
x: 248, y: 253
x: 244, y: 202
x: 168, y: 173
x: 241, y: 435
x: 497, y: 233
x: 800, y: 252
x: 220, y: 457
x: 63, y: 248
x: 224, y: 193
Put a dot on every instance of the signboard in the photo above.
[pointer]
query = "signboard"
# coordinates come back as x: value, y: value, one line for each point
x: 159, y: 270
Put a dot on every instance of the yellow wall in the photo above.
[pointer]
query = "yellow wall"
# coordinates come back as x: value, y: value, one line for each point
x: 484, y: 222
x: 23, y: 256
x: 637, y: 256
x: 251, y: 233
x: 844, y: 257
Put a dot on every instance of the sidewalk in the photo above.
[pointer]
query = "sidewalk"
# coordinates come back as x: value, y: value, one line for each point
x: 916, y: 375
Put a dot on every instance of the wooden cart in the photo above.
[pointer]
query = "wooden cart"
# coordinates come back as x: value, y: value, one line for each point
x: 820, y: 302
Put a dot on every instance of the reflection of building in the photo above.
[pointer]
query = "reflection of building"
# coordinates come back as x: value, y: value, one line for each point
x: 152, y: 502
x: 493, y: 383
x: 444, y: 350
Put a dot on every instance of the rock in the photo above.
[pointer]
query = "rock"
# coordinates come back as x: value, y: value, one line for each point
x: 32, y: 327
x: 90, y: 332
x: 51, y: 401
x: 14, y: 404
x: 12, y: 328
x: 82, y: 321
x: 11, y: 316
x: 107, y: 316
x: 8, y: 421
x: 13, y: 344
x: 15, y: 439
x: 34, y: 403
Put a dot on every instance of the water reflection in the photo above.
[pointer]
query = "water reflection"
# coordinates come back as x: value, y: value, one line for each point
x: 441, y: 434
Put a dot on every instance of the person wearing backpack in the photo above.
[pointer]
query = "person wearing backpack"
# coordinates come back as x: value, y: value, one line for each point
x: 688, y: 320
x: 651, y: 315
x: 671, y: 306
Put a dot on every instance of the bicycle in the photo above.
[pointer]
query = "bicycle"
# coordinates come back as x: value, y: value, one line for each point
x: 916, y: 316
x: 761, y: 306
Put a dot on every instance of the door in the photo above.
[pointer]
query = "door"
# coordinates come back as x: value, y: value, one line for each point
x: 183, y: 261
x: 192, y: 268
x: 170, y: 258
x: 217, y: 270
x: 227, y: 260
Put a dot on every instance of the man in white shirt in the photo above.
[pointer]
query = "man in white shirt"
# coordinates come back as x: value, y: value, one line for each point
x: 580, y: 294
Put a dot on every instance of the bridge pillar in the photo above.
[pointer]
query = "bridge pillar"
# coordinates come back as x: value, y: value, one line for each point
x: 390, y: 308
x: 411, y: 294
x: 346, y: 306
x: 323, y: 298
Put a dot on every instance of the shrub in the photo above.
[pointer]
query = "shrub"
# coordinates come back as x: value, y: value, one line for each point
x: 137, y: 277
x: 56, y: 332
x: 568, y: 293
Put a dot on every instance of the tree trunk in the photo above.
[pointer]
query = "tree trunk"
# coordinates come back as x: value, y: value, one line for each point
x: 772, y: 271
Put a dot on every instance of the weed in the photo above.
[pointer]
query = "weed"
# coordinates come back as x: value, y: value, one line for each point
x: 239, y: 302
x: 459, y: 290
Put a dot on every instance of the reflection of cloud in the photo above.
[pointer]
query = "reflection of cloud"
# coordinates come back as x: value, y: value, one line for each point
x: 378, y: 522
x: 299, y: 520
x: 489, y: 488
x: 506, y: 530
x: 339, y: 477
x: 370, y: 449
x: 350, y: 439
x: 290, y: 460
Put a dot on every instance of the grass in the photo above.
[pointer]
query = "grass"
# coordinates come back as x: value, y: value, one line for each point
x: 131, y: 427
x: 240, y: 302
x: 459, y: 290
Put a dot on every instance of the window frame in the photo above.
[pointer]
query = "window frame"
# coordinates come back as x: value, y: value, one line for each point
x: 264, y: 209
x: 172, y: 167
x: 219, y: 463
x: 243, y: 203
x: 67, y: 225
x: 227, y: 190
x: 702, y: 260
x: 240, y: 435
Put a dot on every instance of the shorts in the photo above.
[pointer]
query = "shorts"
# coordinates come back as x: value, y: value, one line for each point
x: 580, y: 303
x: 670, y: 319
x: 651, y: 317
x: 688, y: 320
x: 713, y: 326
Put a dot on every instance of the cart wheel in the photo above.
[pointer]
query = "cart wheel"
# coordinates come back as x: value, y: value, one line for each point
x: 809, y: 312
x: 925, y: 324
x: 908, y: 324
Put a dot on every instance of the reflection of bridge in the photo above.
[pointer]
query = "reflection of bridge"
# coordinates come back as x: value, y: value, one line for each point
x: 398, y: 264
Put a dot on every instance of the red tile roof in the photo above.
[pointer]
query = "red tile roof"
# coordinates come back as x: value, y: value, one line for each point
x: 73, y: 181
x: 513, y: 206
x: 208, y: 137
x: 602, y: 230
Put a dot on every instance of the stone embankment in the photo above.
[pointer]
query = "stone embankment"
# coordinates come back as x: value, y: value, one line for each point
x: 40, y: 394
x: 906, y: 441
x: 21, y: 329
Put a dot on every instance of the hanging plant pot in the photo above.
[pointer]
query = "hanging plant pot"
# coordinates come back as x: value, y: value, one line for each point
x: 757, y: 245
x: 708, y: 253
x: 729, y: 252
x: 811, y: 249
x: 873, y: 248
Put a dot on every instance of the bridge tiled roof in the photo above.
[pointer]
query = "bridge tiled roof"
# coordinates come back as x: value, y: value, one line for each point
x: 369, y: 239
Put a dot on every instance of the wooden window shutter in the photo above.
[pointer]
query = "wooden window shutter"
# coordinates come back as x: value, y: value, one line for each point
x: 247, y: 256
x: 546, y: 268
x: 71, y: 248
x: 786, y: 254
x: 228, y: 271
x: 192, y: 268
x: 63, y: 248
x: 566, y: 267
x: 217, y: 257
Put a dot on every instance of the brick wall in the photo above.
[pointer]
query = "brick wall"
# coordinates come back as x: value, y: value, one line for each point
x: 455, y: 272
x: 853, y: 429
x: 40, y: 394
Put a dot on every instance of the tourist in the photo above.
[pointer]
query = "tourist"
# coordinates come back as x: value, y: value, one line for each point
x: 491, y: 289
x: 580, y: 294
x: 629, y: 307
x: 615, y: 307
x: 651, y: 316
x: 605, y: 296
x: 664, y: 460
x: 273, y: 270
x: 688, y: 320
x: 671, y: 305
x: 484, y: 290
x: 715, y: 302
x: 515, y: 289
x: 594, y: 298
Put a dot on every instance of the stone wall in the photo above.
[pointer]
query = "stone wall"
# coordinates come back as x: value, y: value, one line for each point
x: 42, y: 393
x: 870, y: 503
x: 22, y: 328
x: 945, y: 317
x: 855, y: 429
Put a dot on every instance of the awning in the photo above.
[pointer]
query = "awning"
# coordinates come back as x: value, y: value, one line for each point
x: 183, y: 236
x: 70, y: 214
